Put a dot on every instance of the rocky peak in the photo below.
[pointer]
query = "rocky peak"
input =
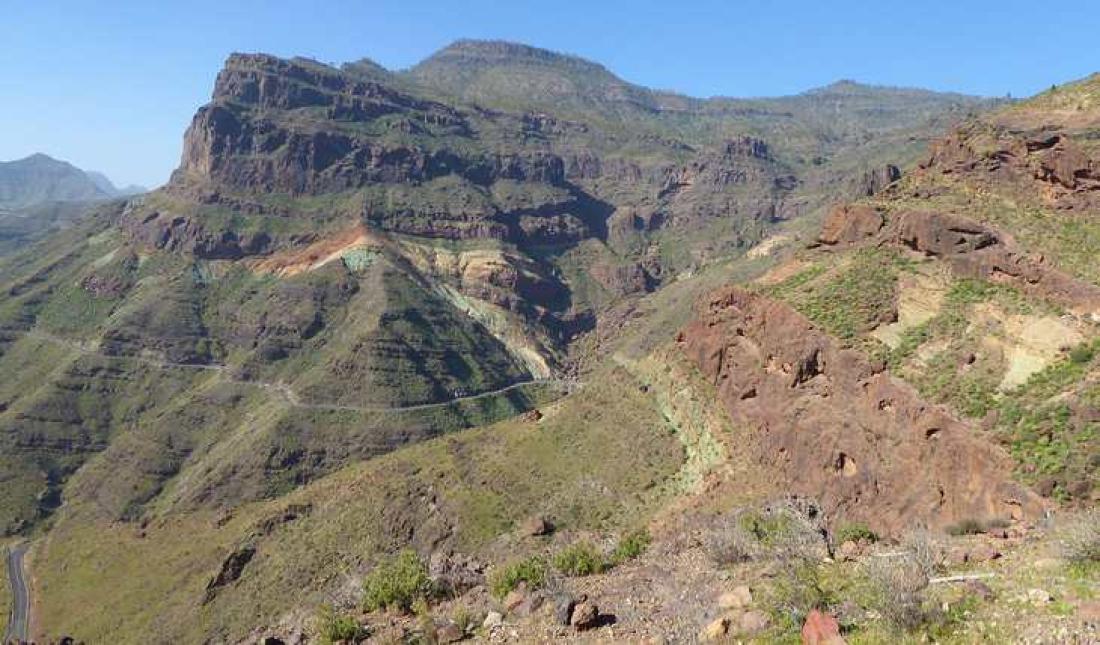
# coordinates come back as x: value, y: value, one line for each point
x: 267, y: 81
x: 501, y: 51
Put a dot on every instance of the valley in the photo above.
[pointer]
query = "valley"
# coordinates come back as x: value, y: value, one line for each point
x: 502, y: 347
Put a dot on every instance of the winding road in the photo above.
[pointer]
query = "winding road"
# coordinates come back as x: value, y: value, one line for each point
x: 20, y: 599
x: 19, y: 621
x: 285, y: 392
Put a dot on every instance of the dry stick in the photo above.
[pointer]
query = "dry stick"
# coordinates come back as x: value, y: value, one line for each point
x: 962, y: 578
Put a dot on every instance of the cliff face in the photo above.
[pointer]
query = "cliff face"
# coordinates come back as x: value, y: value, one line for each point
x: 413, y: 153
x: 827, y: 423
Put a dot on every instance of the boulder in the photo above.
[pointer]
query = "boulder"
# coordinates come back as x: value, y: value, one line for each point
x: 737, y: 598
x: 563, y: 608
x: 850, y: 223
x: 753, y: 622
x: 492, y: 620
x: 536, y: 526
x: 515, y: 598
x: 821, y: 629
x: 811, y: 390
x: 715, y: 630
x: 1039, y: 597
x: 585, y: 616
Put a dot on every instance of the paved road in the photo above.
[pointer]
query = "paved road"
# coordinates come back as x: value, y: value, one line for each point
x: 20, y: 602
x: 283, y: 390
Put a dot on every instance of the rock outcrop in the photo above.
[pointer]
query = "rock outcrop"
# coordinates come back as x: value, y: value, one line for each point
x: 1050, y: 164
x: 971, y: 249
x: 827, y: 423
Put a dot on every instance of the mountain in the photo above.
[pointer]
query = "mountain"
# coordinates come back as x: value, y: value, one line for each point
x: 505, y: 309
x: 39, y: 195
x: 109, y: 189
x: 39, y: 178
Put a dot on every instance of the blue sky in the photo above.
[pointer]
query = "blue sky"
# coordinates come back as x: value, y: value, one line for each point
x: 111, y: 86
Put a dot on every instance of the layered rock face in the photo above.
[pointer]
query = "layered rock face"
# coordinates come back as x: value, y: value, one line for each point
x: 402, y: 153
x: 827, y: 423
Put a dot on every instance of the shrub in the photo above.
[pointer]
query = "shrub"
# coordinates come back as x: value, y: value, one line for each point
x: 767, y: 528
x: 397, y: 583
x: 899, y: 584
x: 531, y: 571
x: 581, y: 559
x: 631, y: 545
x: 854, y: 532
x: 1079, y: 539
x: 798, y: 590
x: 924, y: 550
x: 1081, y: 354
x: 729, y: 544
x: 969, y: 526
x: 333, y: 627
x: 465, y: 619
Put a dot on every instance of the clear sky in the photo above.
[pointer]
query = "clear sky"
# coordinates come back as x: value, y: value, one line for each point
x: 111, y: 86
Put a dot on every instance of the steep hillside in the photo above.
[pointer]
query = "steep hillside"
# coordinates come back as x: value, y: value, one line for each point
x: 351, y: 243
x: 974, y: 278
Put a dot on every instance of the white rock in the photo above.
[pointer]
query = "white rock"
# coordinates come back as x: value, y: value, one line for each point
x: 493, y: 619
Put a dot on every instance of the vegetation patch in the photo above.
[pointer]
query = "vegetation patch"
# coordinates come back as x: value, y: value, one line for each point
x: 581, y: 559
x: 504, y: 579
x: 334, y: 627
x: 849, y: 299
x: 397, y: 583
x: 854, y: 532
x: 631, y: 545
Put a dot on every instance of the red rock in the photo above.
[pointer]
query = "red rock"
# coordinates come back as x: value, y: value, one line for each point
x: 851, y: 223
x: 821, y: 629
x: 810, y: 392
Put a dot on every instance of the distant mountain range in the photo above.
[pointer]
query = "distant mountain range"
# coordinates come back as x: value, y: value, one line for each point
x: 39, y: 179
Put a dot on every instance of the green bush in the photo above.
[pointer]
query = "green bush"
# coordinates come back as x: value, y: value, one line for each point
x: 581, y: 559
x: 854, y: 532
x: 799, y: 589
x: 397, y: 583
x: 764, y: 527
x: 631, y: 545
x: 531, y: 571
x: 333, y: 627
x: 1081, y: 354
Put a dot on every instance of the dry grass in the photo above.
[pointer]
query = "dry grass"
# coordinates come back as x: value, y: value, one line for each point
x: 1079, y: 539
